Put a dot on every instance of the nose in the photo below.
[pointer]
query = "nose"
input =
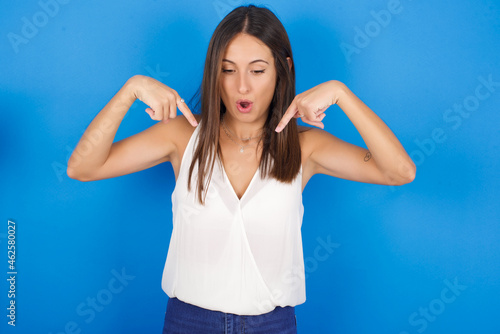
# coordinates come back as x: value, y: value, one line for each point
x: 243, y: 84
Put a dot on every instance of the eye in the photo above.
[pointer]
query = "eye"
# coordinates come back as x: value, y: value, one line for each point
x: 258, y: 71
x: 225, y: 70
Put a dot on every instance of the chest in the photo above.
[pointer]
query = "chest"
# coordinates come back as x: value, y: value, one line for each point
x: 240, y: 167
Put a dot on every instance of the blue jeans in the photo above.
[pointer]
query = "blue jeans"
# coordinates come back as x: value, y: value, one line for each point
x: 184, y: 318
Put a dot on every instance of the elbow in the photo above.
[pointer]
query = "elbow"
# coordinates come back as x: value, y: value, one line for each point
x: 411, y: 177
x: 405, y: 175
x: 411, y: 172
x: 75, y: 170
x: 75, y: 175
x: 71, y: 169
x: 404, y: 180
x: 72, y: 174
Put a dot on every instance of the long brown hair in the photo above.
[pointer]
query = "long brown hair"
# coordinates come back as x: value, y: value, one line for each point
x: 281, y: 154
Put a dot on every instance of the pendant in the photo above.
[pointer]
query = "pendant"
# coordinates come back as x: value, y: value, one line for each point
x: 241, y: 150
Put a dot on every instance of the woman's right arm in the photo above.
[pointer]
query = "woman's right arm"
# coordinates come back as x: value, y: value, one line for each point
x: 96, y: 157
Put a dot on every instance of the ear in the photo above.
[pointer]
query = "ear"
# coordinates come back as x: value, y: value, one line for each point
x: 289, y: 60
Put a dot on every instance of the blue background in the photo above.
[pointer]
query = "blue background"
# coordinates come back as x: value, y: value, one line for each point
x: 396, y: 248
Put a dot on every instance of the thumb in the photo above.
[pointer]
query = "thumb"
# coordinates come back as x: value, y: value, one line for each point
x: 150, y: 112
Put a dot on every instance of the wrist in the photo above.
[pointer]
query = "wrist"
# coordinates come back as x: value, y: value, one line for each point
x: 339, y: 91
x: 130, y: 87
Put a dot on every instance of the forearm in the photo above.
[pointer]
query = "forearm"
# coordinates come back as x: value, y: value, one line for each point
x: 93, y: 148
x: 384, y: 147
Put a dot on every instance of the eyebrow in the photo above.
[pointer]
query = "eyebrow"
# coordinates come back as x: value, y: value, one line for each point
x: 254, y: 61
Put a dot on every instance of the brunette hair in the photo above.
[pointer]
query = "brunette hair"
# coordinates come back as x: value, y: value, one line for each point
x: 281, y: 154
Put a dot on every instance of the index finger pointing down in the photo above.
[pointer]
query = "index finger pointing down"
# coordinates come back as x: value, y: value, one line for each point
x: 187, y: 112
x: 292, y: 109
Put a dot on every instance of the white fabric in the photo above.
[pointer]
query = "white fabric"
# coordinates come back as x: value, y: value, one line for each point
x: 236, y: 256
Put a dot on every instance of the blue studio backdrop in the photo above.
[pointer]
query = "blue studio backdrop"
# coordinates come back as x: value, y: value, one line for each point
x: 418, y: 258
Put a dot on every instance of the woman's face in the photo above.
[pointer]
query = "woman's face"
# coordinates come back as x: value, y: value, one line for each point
x: 248, y: 78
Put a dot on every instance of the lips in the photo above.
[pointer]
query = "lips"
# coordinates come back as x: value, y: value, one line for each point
x: 244, y: 106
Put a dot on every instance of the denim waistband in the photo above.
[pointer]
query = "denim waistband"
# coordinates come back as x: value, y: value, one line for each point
x: 184, y: 318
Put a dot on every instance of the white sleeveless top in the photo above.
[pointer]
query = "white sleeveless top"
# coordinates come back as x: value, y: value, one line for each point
x: 241, y: 256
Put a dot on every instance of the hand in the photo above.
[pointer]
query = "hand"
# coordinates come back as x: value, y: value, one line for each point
x: 310, y: 105
x: 162, y: 100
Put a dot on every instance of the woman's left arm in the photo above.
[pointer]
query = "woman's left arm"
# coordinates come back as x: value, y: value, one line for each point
x: 384, y: 162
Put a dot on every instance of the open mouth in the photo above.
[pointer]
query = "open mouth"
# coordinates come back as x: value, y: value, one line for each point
x: 244, y: 105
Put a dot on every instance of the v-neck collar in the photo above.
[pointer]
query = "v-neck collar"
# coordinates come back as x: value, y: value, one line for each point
x: 231, y: 186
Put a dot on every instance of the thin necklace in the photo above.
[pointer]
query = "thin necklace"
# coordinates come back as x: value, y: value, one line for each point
x: 242, y: 147
x: 231, y: 132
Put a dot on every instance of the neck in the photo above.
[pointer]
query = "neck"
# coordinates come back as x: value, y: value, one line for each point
x: 243, y: 130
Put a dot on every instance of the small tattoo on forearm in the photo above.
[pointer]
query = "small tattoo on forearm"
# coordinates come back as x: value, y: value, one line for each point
x: 368, y: 156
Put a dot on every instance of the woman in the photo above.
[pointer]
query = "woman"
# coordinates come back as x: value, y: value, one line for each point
x: 235, y: 260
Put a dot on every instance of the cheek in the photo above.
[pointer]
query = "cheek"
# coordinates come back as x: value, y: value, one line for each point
x: 268, y: 89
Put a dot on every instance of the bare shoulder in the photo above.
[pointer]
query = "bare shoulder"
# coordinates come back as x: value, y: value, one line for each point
x: 310, y: 137
x: 178, y: 131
